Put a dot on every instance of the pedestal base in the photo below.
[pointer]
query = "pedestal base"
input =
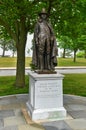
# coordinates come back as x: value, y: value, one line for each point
x: 45, y: 96
x: 43, y: 114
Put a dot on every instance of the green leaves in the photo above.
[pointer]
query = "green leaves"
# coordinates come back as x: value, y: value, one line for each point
x: 68, y: 17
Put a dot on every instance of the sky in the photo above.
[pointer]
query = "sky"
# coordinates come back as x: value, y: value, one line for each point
x: 28, y: 45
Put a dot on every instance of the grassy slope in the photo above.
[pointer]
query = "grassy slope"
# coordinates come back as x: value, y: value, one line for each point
x: 11, y: 62
x: 69, y: 62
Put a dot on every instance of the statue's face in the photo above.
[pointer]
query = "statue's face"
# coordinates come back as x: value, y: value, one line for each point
x: 43, y: 16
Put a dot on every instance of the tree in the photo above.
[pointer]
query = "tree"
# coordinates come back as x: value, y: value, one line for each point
x: 4, y: 46
x: 12, y: 47
x: 82, y: 42
x: 28, y: 51
x: 18, y: 17
x: 64, y: 42
x: 76, y: 25
x: 4, y: 40
x: 82, y: 38
x: 70, y: 22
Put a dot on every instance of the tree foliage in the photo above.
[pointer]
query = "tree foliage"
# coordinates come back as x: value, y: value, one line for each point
x: 19, y: 16
x: 74, y: 23
x: 4, y: 40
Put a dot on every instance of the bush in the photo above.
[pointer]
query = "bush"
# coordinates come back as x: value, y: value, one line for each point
x: 80, y: 54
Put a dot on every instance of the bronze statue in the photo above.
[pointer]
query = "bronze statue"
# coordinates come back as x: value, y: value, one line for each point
x: 44, y: 45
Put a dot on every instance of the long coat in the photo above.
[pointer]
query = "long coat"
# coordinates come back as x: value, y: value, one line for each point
x: 44, y: 36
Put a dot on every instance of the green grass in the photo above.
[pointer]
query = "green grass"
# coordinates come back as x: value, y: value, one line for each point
x: 11, y: 62
x: 74, y: 84
x: 7, y: 86
x: 7, y: 62
x: 69, y: 62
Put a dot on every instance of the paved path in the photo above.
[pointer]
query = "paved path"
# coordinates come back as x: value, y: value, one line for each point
x: 12, y: 118
x: 63, y: 70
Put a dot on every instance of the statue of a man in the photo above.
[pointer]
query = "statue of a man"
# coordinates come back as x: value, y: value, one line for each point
x: 44, y: 44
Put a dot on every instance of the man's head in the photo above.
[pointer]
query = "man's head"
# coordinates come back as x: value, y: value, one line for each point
x: 43, y: 14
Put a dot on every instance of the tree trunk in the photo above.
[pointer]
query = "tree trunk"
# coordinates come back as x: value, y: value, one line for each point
x: 13, y: 54
x: 74, y: 56
x: 64, y: 53
x: 20, y: 71
x: 21, y: 44
x: 3, y: 54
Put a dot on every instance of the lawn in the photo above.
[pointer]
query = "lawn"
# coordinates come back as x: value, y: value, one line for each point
x: 69, y: 62
x: 74, y: 84
x: 11, y: 62
x: 7, y: 86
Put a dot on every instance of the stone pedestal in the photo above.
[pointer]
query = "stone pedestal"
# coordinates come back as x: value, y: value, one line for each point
x: 45, y: 96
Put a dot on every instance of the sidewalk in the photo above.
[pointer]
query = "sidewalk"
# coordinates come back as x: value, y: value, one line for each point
x: 11, y: 71
x: 12, y: 117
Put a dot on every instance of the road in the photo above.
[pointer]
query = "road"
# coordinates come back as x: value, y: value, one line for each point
x: 62, y: 70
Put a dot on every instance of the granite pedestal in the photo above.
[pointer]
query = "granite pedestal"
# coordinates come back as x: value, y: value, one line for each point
x: 45, y: 96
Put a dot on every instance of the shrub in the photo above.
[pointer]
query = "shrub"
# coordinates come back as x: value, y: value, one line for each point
x: 80, y: 54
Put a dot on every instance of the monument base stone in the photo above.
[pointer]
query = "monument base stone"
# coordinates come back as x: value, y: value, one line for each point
x: 45, y: 96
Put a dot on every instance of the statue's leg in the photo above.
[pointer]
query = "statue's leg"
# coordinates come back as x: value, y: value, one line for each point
x: 48, y: 62
x: 48, y: 54
x: 41, y: 62
x: 52, y: 66
x: 41, y: 56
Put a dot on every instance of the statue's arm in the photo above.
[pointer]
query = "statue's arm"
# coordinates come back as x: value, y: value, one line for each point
x: 52, y: 33
x: 51, y: 29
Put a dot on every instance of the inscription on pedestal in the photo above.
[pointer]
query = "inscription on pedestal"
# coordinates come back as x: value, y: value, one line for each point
x: 48, y: 89
x: 48, y: 93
